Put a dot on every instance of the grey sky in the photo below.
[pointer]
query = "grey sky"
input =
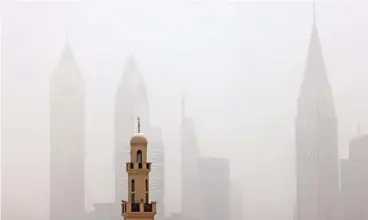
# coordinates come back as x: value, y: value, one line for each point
x: 239, y: 66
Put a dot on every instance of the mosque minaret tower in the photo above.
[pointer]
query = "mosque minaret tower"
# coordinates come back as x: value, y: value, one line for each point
x: 138, y: 205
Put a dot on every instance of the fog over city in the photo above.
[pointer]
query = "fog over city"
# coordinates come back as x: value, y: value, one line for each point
x: 252, y: 109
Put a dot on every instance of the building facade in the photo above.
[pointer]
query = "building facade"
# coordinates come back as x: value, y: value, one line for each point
x: 236, y: 200
x: 67, y: 186
x: 189, y: 168
x: 354, y: 180
x: 316, y: 141
x: 157, y: 183
x: 215, y: 188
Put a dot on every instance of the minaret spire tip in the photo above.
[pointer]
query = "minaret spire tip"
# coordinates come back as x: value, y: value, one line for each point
x: 139, y: 124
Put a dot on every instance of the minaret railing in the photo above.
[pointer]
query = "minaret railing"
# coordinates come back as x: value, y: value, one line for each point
x: 138, y: 207
x: 143, y: 166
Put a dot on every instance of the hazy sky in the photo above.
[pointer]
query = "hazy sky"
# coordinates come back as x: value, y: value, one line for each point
x: 239, y: 66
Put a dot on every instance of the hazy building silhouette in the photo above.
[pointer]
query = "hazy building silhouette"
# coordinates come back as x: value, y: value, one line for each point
x: 215, y: 188
x: 103, y: 211
x: 175, y: 216
x: 190, y: 204
x: 138, y: 205
x: 157, y: 183
x: 67, y: 125
x: 132, y: 101
x: 236, y: 201
x: 316, y: 141
x: 354, y: 180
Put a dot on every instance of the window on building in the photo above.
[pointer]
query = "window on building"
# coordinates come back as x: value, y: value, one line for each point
x: 139, y: 156
x: 147, y: 198
x: 132, y: 197
x: 133, y: 185
x: 146, y: 185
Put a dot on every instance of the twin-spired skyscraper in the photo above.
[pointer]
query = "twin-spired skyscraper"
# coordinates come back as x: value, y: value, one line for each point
x: 316, y: 141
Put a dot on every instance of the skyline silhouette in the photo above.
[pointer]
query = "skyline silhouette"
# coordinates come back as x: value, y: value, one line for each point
x: 240, y: 78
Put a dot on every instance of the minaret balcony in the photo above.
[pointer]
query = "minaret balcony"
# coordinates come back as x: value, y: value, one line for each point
x: 128, y: 207
x: 130, y: 166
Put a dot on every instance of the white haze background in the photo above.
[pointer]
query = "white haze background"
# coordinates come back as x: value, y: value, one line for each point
x: 239, y: 65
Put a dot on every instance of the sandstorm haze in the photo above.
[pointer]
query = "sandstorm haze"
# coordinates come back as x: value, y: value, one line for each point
x: 236, y: 67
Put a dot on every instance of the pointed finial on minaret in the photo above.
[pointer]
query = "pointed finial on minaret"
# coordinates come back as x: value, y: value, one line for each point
x: 139, y: 124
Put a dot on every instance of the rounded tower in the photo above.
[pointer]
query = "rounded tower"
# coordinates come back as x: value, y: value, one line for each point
x: 138, y: 205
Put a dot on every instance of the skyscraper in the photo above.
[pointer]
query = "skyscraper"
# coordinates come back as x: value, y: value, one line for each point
x: 131, y: 102
x: 215, y: 188
x: 354, y: 180
x: 316, y: 140
x: 157, y: 183
x: 190, y: 205
x: 67, y: 197
x: 236, y: 201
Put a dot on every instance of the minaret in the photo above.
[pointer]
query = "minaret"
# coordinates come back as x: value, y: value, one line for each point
x: 316, y: 140
x: 138, y: 205
x: 67, y: 196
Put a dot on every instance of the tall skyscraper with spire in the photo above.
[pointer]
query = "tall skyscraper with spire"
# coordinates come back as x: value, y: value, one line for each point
x: 190, y: 201
x: 316, y: 140
x: 67, y: 186
x: 132, y: 101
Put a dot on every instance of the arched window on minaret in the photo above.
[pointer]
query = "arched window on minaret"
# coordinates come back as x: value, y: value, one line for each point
x: 139, y: 156
x: 147, y: 197
x: 146, y: 185
x: 133, y: 185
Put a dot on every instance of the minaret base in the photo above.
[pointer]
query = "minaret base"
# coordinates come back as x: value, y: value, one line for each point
x: 138, y: 211
x: 139, y: 217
